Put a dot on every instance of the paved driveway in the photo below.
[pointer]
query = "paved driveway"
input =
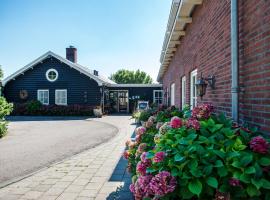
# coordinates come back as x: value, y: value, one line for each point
x: 34, y: 143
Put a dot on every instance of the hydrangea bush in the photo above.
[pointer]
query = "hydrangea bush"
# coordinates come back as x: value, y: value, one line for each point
x: 198, y: 155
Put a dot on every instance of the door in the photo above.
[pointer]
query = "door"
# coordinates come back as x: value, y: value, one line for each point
x: 119, y: 101
x: 123, y: 101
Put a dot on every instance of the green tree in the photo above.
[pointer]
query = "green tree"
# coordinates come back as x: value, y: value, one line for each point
x: 1, y: 73
x: 128, y: 76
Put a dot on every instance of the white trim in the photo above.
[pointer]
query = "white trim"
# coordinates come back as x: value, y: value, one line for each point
x: 180, y: 15
x: 76, y: 66
x: 154, y: 96
x: 60, y: 90
x: 193, y: 99
x: 51, y: 70
x: 184, y: 91
x: 172, y: 96
x: 43, y: 90
x: 135, y: 85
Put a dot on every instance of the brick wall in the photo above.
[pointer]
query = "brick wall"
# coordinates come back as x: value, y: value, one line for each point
x: 254, y: 62
x: 206, y: 47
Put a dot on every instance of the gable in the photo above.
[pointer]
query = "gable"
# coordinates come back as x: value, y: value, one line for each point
x: 50, y: 54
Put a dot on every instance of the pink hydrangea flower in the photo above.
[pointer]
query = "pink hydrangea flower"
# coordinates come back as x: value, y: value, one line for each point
x: 140, y: 130
x: 141, y: 188
x: 259, y: 144
x: 141, y: 148
x: 164, y: 128
x: 142, y: 166
x: 149, y: 124
x: 176, y: 122
x: 126, y: 154
x: 234, y: 182
x: 132, y: 188
x: 138, y: 138
x: 152, y: 119
x: 159, y: 124
x: 143, y: 157
x: 202, y: 111
x: 159, y: 157
x: 193, y: 123
x: 163, y: 183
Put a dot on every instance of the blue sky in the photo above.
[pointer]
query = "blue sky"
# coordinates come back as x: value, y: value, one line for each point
x: 109, y: 34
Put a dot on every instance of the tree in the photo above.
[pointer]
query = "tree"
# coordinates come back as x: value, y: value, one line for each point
x: 1, y: 73
x: 128, y: 76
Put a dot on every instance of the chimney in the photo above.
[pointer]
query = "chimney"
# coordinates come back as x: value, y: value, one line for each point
x: 95, y: 72
x: 71, y: 54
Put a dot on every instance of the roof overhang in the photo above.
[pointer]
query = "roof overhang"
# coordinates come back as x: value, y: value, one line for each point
x: 31, y: 65
x: 180, y: 16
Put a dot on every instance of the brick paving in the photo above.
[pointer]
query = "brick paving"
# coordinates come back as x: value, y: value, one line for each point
x: 98, y: 173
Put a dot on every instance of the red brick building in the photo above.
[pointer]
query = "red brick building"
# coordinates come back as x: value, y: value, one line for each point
x: 228, y: 39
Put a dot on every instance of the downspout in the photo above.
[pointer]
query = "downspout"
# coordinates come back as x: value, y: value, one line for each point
x: 234, y: 59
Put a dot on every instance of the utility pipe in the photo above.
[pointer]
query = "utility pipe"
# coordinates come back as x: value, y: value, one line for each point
x: 234, y: 59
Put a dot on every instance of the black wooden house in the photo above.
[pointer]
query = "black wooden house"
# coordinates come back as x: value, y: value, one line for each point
x: 54, y: 80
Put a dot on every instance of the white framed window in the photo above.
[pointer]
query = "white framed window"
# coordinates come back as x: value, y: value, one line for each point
x: 183, y: 91
x: 61, y: 97
x: 51, y: 75
x: 158, y: 97
x: 43, y: 96
x: 172, y: 94
x: 193, y: 93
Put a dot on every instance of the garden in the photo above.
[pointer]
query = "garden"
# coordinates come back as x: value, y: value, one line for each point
x: 183, y: 154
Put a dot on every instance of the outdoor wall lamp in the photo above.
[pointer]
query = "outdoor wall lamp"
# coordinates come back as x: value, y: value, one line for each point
x: 202, y: 83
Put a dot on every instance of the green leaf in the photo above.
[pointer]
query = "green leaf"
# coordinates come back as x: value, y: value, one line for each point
x: 266, y: 184
x: 245, y: 178
x: 210, y: 122
x: 208, y: 170
x: 212, y: 181
x: 252, y: 191
x: 257, y: 183
x: 246, y: 159
x: 191, y: 136
x: 196, y: 172
x: 265, y: 161
x: 174, y: 172
x: 222, y: 171
x: 179, y: 158
x: 236, y: 164
x: 150, y: 155
x: 195, y: 187
x: 250, y: 170
x: 193, y: 164
x: 218, y: 163
x: 221, y: 154
x: 150, y: 170
x: 233, y: 154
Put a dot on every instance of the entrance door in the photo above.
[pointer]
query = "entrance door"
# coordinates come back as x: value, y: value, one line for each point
x: 119, y: 101
x: 123, y: 101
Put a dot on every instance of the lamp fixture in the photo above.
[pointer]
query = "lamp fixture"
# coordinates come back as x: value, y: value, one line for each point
x: 202, y: 83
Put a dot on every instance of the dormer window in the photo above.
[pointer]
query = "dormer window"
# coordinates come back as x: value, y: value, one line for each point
x: 51, y: 75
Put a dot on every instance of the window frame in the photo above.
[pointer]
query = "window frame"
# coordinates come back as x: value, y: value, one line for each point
x: 43, y: 90
x: 51, y: 70
x: 158, y: 98
x: 55, y: 97
x: 193, y: 99
x: 172, y: 96
x: 183, y: 91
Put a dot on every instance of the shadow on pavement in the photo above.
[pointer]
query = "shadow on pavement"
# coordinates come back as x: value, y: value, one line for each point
x: 46, y: 118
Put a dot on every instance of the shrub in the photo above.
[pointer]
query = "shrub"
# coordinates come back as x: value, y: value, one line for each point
x: 52, y: 110
x: 200, y: 157
x: 33, y: 106
x: 5, y: 109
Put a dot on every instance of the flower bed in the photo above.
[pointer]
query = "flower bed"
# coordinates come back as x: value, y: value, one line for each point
x: 198, y: 155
